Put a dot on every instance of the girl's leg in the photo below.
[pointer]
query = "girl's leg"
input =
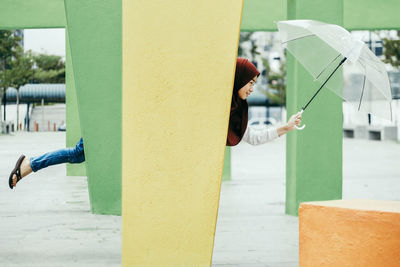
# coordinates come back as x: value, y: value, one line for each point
x: 66, y: 155
x: 70, y: 155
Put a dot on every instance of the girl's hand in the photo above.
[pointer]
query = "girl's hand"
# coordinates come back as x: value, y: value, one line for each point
x: 294, y: 120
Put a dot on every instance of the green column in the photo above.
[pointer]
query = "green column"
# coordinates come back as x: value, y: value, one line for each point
x: 72, y: 115
x: 314, y: 155
x: 22, y: 14
x: 261, y: 15
x: 226, y: 176
x: 371, y: 14
x: 95, y: 35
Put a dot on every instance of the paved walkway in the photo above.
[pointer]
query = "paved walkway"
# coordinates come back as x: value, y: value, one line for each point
x: 46, y: 220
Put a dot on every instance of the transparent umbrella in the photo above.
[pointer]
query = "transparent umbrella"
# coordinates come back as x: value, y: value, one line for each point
x: 325, y: 48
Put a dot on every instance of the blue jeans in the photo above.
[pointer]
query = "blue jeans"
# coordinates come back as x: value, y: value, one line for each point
x: 70, y: 155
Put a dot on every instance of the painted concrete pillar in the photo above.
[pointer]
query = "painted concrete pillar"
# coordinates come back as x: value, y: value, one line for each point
x: 178, y: 69
x: 74, y: 132
x: 314, y: 155
x: 226, y: 176
x: 94, y: 30
x: 22, y: 14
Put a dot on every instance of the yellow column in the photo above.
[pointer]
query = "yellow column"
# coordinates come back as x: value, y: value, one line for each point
x: 178, y: 68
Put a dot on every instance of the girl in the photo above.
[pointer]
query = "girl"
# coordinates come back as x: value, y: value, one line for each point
x: 245, y: 77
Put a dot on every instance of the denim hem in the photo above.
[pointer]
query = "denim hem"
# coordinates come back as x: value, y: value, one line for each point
x: 32, y: 166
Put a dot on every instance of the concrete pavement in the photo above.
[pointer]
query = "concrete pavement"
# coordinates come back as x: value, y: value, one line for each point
x: 46, y: 220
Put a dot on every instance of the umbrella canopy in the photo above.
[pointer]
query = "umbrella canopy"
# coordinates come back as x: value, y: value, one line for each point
x: 324, y: 48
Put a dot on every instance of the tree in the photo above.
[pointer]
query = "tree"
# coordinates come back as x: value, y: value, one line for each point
x: 392, y: 51
x: 49, y: 69
x: 21, y: 73
x: 245, y: 37
x: 9, y: 44
x: 276, y: 91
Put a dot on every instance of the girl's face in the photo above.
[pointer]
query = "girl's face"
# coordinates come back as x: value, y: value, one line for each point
x: 246, y: 90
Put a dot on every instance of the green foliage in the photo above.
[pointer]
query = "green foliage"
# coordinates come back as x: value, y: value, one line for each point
x: 246, y: 37
x: 9, y: 49
x: 21, y: 71
x: 18, y: 68
x: 276, y: 91
x: 50, y: 69
x: 49, y: 62
x: 50, y: 76
x: 392, y: 51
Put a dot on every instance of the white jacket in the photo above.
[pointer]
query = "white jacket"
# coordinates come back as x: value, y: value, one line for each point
x: 259, y: 136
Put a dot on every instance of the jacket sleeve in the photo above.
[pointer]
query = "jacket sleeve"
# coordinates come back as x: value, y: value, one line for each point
x: 260, y: 136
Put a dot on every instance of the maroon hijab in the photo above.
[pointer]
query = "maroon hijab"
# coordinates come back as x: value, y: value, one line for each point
x: 245, y: 71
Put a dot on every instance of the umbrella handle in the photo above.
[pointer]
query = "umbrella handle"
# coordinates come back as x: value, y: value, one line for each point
x: 301, y: 127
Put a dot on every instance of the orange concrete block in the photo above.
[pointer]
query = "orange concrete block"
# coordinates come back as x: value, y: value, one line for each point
x: 349, y: 233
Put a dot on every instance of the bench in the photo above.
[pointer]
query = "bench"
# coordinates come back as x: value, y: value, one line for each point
x: 382, y: 133
x: 7, y: 127
x: 355, y: 131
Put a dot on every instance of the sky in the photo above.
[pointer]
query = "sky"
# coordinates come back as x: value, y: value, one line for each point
x: 45, y: 41
x: 52, y: 41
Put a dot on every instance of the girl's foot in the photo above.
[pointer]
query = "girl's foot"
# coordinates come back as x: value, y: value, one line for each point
x: 22, y: 170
